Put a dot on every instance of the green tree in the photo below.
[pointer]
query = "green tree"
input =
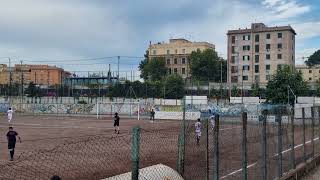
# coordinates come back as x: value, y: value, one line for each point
x: 174, y: 87
x: 314, y: 59
x: 235, y: 92
x: 256, y: 90
x: 285, y: 79
x: 317, y: 93
x: 154, y: 69
x: 142, y: 66
x: 207, y: 65
x: 32, y: 90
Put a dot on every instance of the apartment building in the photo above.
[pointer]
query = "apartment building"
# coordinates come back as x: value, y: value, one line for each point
x: 255, y: 54
x: 310, y: 74
x: 38, y: 74
x: 176, y: 53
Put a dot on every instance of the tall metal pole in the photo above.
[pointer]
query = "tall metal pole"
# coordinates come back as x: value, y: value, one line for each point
x: 21, y: 81
x: 118, y: 67
x: 10, y: 82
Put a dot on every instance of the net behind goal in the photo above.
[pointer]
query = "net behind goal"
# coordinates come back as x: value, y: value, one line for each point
x: 124, y: 109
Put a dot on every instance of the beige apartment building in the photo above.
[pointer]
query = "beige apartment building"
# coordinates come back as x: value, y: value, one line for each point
x: 176, y: 53
x: 310, y: 74
x: 255, y: 54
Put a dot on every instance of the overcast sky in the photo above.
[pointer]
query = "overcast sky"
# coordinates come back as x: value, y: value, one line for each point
x: 59, y: 30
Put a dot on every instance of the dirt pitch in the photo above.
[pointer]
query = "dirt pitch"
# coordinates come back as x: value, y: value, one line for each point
x: 87, y: 148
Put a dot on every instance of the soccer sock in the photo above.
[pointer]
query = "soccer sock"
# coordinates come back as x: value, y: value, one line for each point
x: 11, y: 153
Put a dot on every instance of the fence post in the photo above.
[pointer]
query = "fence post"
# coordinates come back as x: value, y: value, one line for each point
x: 318, y: 125
x: 244, y: 146
x: 312, y: 130
x: 293, y: 158
x: 207, y: 148
x: 216, y: 149
x: 264, y: 145
x: 135, y: 149
x: 303, y: 136
x: 279, y: 120
x: 181, y: 153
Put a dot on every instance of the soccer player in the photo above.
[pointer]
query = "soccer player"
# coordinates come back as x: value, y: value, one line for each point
x: 152, y: 115
x: 116, y: 120
x: 9, y: 113
x: 198, y: 130
x: 11, y: 136
x: 212, y: 119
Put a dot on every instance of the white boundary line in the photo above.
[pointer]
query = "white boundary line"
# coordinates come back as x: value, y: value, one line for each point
x: 253, y: 164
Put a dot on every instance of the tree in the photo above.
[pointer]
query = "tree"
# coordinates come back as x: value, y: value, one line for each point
x: 174, y: 87
x: 256, y: 90
x: 154, y: 69
x: 235, y: 92
x: 32, y: 90
x: 314, y: 59
x: 142, y: 65
x: 285, y: 79
x: 207, y: 65
x: 317, y: 93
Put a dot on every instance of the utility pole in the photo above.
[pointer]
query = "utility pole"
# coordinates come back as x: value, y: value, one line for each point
x: 118, y: 68
x: 21, y: 81
x: 10, y: 81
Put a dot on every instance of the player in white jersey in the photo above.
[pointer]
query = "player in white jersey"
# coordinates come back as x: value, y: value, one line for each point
x: 198, y: 131
x: 9, y: 113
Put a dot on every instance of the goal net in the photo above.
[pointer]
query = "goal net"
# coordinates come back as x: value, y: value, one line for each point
x: 125, y: 109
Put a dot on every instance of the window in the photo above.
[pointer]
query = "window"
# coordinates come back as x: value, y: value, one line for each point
x: 234, y: 69
x: 168, y: 61
x: 246, y: 58
x: 246, y: 67
x: 183, y: 61
x: 268, y: 67
x: 183, y: 51
x: 176, y: 51
x: 279, y: 35
x: 279, y: 66
x: 234, y: 79
x: 310, y: 71
x: 279, y: 46
x: 233, y: 39
x: 154, y: 52
x: 268, y: 47
x: 268, y: 36
x: 256, y: 68
x: 256, y: 78
x: 246, y: 37
x: 175, y: 61
x: 310, y: 79
x: 256, y: 48
x: 183, y: 70
x: 268, y: 56
x: 233, y: 49
x: 256, y: 38
x: 256, y: 58
x: 233, y: 59
x: 279, y: 56
x: 175, y: 70
x: 246, y: 48
x: 168, y: 51
x: 267, y: 77
x: 245, y: 78
x: 169, y: 71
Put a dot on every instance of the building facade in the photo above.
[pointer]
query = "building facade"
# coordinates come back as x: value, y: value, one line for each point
x: 310, y: 74
x: 39, y: 74
x: 176, y: 54
x: 255, y: 54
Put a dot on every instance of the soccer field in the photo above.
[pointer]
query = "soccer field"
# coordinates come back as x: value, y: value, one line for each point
x: 88, y: 148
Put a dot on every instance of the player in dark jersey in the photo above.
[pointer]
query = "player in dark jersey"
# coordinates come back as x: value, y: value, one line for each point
x: 152, y: 113
x: 116, y: 120
x: 11, y: 136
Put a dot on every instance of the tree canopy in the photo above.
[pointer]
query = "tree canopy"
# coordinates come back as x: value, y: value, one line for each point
x: 174, y: 86
x: 285, y: 79
x: 314, y: 59
x: 153, y: 69
x: 207, y: 65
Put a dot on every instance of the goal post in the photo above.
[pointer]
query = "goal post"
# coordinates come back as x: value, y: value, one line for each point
x: 125, y: 109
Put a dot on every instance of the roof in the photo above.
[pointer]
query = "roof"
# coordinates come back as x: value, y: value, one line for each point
x: 262, y: 29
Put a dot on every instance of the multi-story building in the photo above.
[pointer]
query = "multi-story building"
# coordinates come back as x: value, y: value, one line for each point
x: 176, y: 54
x: 38, y: 74
x: 255, y: 54
x: 310, y: 74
